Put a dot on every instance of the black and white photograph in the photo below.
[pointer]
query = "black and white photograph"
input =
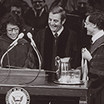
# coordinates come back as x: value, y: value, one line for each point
x: 51, y: 51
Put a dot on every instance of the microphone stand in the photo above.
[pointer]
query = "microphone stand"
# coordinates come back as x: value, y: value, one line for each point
x: 38, y: 54
x: 40, y: 60
x: 6, y: 53
x: 29, y: 35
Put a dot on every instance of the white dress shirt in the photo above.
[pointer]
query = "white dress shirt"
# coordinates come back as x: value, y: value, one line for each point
x: 59, y: 32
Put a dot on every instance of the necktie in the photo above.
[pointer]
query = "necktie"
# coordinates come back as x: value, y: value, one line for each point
x: 54, y: 55
x: 55, y: 45
x: 54, y: 50
x: 55, y: 35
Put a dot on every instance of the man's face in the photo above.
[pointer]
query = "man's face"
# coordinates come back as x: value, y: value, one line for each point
x: 82, y: 6
x: 38, y: 4
x: 12, y: 31
x: 89, y: 26
x: 54, y: 21
x: 16, y: 10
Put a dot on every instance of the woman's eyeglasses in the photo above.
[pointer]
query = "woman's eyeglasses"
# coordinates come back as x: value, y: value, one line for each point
x: 11, y: 29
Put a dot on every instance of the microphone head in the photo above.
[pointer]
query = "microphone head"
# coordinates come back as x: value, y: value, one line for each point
x: 29, y: 35
x: 21, y: 35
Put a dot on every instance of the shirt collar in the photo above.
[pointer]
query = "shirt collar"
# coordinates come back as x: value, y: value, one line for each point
x: 97, y: 36
x: 59, y: 32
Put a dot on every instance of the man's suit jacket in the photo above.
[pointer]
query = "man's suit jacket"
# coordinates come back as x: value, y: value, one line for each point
x: 96, y: 72
x: 67, y: 46
x: 36, y: 22
x: 97, y: 52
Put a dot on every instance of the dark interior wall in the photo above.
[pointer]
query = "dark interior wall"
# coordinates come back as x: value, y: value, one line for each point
x: 48, y: 2
x: 97, y: 4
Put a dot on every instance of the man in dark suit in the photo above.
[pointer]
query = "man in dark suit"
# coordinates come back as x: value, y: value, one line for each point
x: 94, y: 24
x: 37, y: 15
x: 63, y: 45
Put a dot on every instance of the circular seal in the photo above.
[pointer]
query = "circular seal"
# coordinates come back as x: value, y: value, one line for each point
x: 17, y: 95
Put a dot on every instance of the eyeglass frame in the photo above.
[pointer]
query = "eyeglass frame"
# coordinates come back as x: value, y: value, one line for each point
x: 15, y: 29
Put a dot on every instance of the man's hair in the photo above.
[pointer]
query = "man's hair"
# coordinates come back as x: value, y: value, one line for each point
x: 82, y: 1
x: 58, y: 9
x: 97, y: 18
x: 16, y: 4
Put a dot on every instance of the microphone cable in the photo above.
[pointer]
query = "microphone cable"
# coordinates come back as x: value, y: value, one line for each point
x: 8, y: 68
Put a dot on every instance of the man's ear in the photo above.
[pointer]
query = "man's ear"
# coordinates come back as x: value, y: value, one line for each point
x: 94, y: 26
x: 63, y: 21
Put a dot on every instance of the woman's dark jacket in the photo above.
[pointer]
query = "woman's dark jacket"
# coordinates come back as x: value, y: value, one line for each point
x: 20, y: 56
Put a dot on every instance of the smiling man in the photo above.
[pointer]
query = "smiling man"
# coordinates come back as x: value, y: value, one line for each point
x: 94, y: 24
x: 56, y: 40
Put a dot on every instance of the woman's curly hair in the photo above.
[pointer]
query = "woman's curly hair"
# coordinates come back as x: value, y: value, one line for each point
x: 10, y: 18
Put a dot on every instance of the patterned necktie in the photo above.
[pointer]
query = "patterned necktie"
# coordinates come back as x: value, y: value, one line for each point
x: 55, y: 35
x: 53, y: 76
x: 55, y: 45
x: 54, y: 50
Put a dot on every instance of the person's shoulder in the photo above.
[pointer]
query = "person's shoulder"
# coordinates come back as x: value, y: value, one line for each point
x: 4, y: 37
x: 71, y: 31
x: 41, y: 34
x: 46, y: 8
x: 100, y: 41
x: 29, y: 11
x: 1, y: 37
x: 71, y: 34
x: 42, y: 31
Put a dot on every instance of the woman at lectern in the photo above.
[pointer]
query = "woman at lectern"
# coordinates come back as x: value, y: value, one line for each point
x: 15, y: 51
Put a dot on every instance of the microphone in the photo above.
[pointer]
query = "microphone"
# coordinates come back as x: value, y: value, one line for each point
x: 20, y: 36
x: 29, y: 35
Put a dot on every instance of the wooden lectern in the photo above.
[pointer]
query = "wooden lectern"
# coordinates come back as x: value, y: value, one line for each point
x: 22, y: 76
